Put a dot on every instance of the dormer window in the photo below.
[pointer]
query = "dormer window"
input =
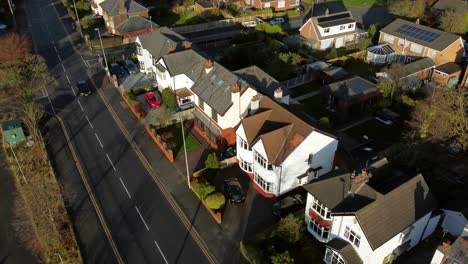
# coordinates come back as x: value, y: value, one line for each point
x: 327, y: 30
x: 351, y: 26
x: 342, y: 27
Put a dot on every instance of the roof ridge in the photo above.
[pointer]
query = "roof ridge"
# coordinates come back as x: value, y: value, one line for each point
x: 290, y: 126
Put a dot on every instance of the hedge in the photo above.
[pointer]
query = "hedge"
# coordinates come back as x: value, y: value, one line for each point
x: 204, y: 189
x: 215, y: 201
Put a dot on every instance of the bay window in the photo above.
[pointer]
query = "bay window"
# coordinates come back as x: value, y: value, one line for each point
x: 321, y: 209
x: 319, y: 230
x: 246, y: 166
x: 243, y: 144
x: 332, y: 257
x: 265, y: 185
x: 262, y: 161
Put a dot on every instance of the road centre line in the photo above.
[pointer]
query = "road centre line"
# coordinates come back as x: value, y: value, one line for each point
x: 60, y: 59
x: 142, y: 219
x: 55, y: 48
x: 73, y: 90
x: 68, y: 79
x: 110, y: 161
x: 63, y: 67
x: 125, y: 187
x: 82, y: 109
x: 97, y: 137
x: 160, y: 251
x: 91, y: 125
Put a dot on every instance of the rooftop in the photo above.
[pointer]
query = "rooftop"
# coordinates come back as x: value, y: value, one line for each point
x: 346, y: 250
x: 162, y: 41
x: 188, y: 62
x: 261, y: 80
x: 111, y: 7
x: 417, y: 66
x: 205, y: 4
x: 135, y: 23
x: 351, y: 88
x: 448, y: 68
x: 458, y: 6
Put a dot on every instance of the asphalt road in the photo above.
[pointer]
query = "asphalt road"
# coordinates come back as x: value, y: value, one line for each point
x: 143, y: 225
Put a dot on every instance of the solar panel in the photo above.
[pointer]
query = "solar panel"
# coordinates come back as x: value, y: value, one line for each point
x: 332, y: 17
x: 418, y: 33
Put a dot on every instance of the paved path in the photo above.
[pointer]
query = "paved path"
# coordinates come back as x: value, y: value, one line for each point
x: 307, y: 95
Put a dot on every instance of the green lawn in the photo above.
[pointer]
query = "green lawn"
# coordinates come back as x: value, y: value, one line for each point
x: 363, y: 3
x: 173, y: 135
x: 360, y: 68
x: 376, y: 130
x: 305, y: 88
x: 313, y: 106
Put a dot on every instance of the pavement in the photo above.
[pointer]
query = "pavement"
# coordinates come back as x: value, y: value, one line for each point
x: 11, y: 250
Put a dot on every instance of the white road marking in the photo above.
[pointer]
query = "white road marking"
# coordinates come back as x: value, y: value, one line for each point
x: 44, y: 91
x: 160, y: 251
x: 73, y: 90
x: 142, y: 219
x: 63, y: 67
x: 55, y: 48
x: 87, y: 66
x: 125, y: 187
x: 91, y: 125
x: 82, y: 109
x: 60, y: 59
x: 110, y: 161
x: 68, y: 79
x: 100, y: 143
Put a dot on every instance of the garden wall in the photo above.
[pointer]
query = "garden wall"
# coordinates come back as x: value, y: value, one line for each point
x: 160, y: 143
x: 137, y: 109
x: 216, y: 215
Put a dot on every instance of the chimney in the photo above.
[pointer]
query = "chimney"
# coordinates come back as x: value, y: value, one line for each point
x: 327, y: 12
x: 417, y: 21
x: 172, y: 49
x: 254, y: 104
x: 235, y: 88
x: 358, y: 181
x: 446, y: 244
x: 123, y: 7
x: 208, y: 66
x: 279, y: 93
x: 187, y: 45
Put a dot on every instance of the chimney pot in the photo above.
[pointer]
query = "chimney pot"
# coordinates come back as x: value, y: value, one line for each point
x: 278, y: 93
x: 187, y: 45
x: 235, y: 88
x: 254, y: 104
x: 208, y: 66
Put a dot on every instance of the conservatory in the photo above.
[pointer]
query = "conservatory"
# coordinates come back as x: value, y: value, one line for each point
x: 382, y: 54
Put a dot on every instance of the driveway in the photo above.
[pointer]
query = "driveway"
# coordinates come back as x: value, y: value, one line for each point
x: 372, y: 15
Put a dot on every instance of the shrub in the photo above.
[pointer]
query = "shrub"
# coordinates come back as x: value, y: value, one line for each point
x: 269, y: 29
x: 232, y: 8
x: 71, y: 13
x: 291, y: 58
x: 290, y: 229
x: 332, y: 54
x: 212, y: 162
x: 65, y: 2
x: 204, y: 189
x: 83, y: 5
x: 282, y: 258
x: 324, y: 121
x: 215, y: 201
x: 169, y: 98
x: 90, y: 21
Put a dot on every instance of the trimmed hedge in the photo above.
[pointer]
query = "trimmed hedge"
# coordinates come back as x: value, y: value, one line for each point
x: 215, y: 201
x: 204, y: 189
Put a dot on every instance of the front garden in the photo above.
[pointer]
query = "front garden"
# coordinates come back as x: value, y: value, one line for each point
x: 172, y: 135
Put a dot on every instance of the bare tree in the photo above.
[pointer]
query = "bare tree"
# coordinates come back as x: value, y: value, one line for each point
x: 391, y: 84
x: 453, y: 22
x: 408, y: 8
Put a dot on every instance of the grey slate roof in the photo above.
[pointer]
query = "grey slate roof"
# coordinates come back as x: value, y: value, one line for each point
x: 188, y: 62
x: 135, y: 23
x: 336, y: 22
x: 458, y: 6
x: 417, y: 66
x: 448, y: 68
x: 159, y: 42
x: 335, y: 72
x: 458, y: 251
x: 442, y: 42
x: 215, y: 87
x: 381, y: 215
x: 261, y: 80
x: 350, y: 88
x: 346, y: 250
x: 111, y: 7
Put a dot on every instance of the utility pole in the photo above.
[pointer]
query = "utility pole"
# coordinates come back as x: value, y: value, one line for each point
x: 103, y: 52
x: 10, y: 4
x: 19, y: 166
x: 76, y: 12
x: 185, y: 152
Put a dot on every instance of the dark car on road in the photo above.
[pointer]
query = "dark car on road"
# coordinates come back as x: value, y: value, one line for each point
x: 83, y: 88
x: 228, y: 153
x: 117, y: 70
x: 289, y: 204
x: 233, y: 190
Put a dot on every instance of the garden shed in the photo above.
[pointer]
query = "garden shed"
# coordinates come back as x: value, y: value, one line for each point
x: 13, y: 131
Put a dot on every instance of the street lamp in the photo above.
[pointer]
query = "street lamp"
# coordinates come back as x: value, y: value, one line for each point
x: 103, y: 53
x: 76, y: 12
x: 185, y: 151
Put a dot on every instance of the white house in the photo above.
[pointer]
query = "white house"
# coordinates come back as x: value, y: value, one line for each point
x: 336, y: 30
x: 455, y: 222
x: 96, y: 7
x: 369, y: 218
x: 279, y: 151
x: 221, y: 100
x: 455, y: 253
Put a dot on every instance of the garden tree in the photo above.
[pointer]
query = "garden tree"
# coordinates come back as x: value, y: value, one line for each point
x: 364, y: 43
x: 290, y: 229
x: 291, y: 58
x: 407, y: 8
x: 324, y: 121
x: 83, y: 5
x: 169, y: 98
x: 282, y: 258
x: 372, y: 32
x: 453, y: 22
x: 442, y: 117
x: 15, y: 49
x: 215, y: 201
x: 204, y: 189
x: 332, y: 54
x: 212, y: 162
x: 390, y: 86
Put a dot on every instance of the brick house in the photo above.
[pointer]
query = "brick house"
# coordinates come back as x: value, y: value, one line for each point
x: 279, y: 151
x: 327, y: 31
x: 447, y: 74
x: 204, y: 7
x: 277, y: 5
x: 414, y: 41
x: 116, y: 12
x: 371, y: 217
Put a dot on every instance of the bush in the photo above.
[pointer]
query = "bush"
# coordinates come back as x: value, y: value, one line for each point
x: 332, y: 54
x: 269, y: 29
x: 282, y: 258
x: 291, y: 58
x: 83, y: 5
x: 204, y: 189
x: 324, y: 121
x: 169, y: 98
x: 215, y: 201
x: 65, y: 2
x: 71, y: 13
x: 212, y: 162
x: 90, y: 21
x: 232, y: 9
x: 290, y: 229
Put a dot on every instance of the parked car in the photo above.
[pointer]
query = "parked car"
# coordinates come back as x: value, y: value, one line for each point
x: 249, y: 24
x: 301, y: 8
x: 278, y: 20
x: 83, y: 88
x: 3, y: 26
x: 152, y: 100
x: 233, y: 190
x: 228, y: 153
x: 130, y: 66
x: 289, y: 204
x: 117, y: 70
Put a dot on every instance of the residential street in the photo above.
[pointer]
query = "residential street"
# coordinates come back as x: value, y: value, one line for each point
x: 143, y: 224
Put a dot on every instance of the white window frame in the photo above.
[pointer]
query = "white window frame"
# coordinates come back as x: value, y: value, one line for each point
x: 342, y: 27
x: 333, y: 257
x: 401, y: 42
x: 389, y: 38
x: 139, y: 49
x: 243, y: 144
x: 246, y: 166
x: 263, y: 184
x: 351, y: 26
x: 352, y: 236
x: 320, y: 209
x: 142, y: 65
x: 261, y: 160
x: 431, y: 53
x: 416, y: 48
x: 326, y: 30
x: 281, y: 3
x: 318, y: 229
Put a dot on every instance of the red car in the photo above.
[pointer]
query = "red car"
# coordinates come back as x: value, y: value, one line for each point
x: 152, y: 100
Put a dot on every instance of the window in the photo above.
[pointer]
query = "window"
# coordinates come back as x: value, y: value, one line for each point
x: 342, y: 27
x: 327, y: 30
x: 139, y: 49
x: 161, y: 75
x: 388, y: 38
x: 243, y: 144
x: 416, y: 48
x: 266, y: 186
x: 214, y: 115
x: 319, y: 230
x: 401, y: 42
x: 310, y: 159
x: 321, y: 209
x: 293, y: 2
x: 351, y: 26
x: 262, y: 161
x: 352, y: 236
x: 142, y: 65
x: 431, y: 53
x: 246, y: 166
x: 201, y: 104
x: 155, y: 61
x: 332, y: 257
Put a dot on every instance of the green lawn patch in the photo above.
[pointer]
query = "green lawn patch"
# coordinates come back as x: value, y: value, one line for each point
x: 313, y: 107
x: 363, y: 3
x: 376, y: 130
x: 359, y: 67
x: 173, y: 135
x: 305, y: 88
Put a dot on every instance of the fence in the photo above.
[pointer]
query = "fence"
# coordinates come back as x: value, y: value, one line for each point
x: 218, y: 24
x: 296, y: 81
